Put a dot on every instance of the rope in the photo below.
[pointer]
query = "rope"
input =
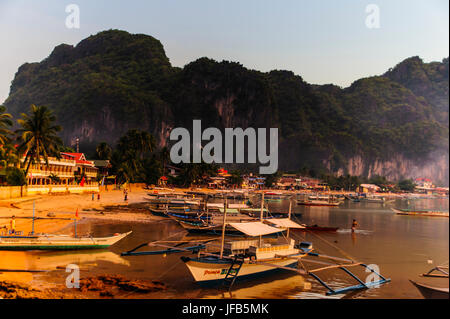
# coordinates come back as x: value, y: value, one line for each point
x: 332, y: 245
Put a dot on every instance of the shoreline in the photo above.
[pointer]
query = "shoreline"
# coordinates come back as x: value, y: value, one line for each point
x: 110, y: 207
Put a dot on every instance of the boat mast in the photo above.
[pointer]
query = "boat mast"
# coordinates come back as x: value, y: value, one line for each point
x: 289, y: 214
x: 223, y: 228
x: 261, y: 216
x: 32, y: 226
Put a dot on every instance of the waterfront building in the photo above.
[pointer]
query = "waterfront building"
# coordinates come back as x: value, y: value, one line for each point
x: 71, y: 173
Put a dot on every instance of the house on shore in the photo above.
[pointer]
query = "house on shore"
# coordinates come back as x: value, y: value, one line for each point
x: 71, y: 173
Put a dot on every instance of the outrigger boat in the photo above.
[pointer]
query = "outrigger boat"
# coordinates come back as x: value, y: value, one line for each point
x: 415, y: 212
x: 253, y: 256
x: 319, y: 200
x: 375, y: 199
x: 429, y: 292
x: 34, y: 241
x: 57, y: 242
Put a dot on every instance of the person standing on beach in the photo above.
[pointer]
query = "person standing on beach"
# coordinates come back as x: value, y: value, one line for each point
x: 125, y: 194
x: 354, y: 225
x: 12, y: 225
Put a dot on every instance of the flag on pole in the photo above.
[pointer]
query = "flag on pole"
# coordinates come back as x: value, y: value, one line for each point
x: 76, y: 213
x: 103, y: 181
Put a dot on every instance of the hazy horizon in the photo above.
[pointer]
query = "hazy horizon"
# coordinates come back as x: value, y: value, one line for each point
x: 324, y: 43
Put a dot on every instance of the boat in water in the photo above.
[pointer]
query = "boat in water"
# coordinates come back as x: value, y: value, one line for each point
x: 416, y: 212
x: 375, y: 199
x: 429, y: 292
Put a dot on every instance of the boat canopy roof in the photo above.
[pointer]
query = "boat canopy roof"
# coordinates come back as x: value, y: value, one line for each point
x: 221, y: 205
x: 283, y: 223
x: 254, y: 209
x: 255, y: 228
x: 229, y: 210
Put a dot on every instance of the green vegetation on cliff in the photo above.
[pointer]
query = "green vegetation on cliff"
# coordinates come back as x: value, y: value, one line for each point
x: 115, y: 81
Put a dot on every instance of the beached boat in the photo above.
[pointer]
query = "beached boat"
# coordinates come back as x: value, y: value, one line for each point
x: 415, y: 212
x: 57, y: 242
x: 253, y: 257
x: 429, y: 292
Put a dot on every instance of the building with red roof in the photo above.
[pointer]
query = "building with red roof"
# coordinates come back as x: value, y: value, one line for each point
x: 65, y: 174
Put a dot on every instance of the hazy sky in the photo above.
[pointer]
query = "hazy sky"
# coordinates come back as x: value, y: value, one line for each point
x: 324, y: 41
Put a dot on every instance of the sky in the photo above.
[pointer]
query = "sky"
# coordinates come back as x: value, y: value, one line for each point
x: 324, y: 41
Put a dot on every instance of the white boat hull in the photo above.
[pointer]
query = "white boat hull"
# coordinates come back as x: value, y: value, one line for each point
x: 57, y: 242
x: 214, y: 271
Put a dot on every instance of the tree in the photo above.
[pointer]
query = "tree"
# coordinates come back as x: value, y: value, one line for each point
x: 195, y: 173
x: 272, y: 179
x: 103, y: 151
x: 66, y: 149
x: 5, y: 124
x: 38, y: 136
x: 130, y: 155
x: 8, y: 155
x: 235, y: 178
x: 15, y: 176
x: 54, y: 178
x: 406, y: 185
x: 164, y: 157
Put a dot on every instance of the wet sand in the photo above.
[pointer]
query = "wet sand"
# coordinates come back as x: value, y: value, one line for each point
x: 110, y: 207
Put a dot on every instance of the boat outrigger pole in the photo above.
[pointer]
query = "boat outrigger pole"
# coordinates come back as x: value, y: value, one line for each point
x: 32, y: 226
x: 289, y: 215
x: 261, y: 216
x: 223, y: 228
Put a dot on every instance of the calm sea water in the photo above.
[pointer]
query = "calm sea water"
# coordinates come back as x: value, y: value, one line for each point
x: 402, y: 247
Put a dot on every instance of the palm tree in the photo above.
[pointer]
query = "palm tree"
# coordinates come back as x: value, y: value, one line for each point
x: 164, y: 156
x: 104, y: 151
x: 137, y: 143
x: 5, y: 123
x: 38, y: 136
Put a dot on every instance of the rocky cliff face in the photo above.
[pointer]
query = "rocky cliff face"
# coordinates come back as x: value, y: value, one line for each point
x: 399, y: 167
x: 394, y: 125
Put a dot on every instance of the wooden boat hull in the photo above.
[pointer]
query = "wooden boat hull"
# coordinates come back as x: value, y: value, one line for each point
x: 420, y: 213
x: 318, y: 204
x: 55, y: 242
x: 429, y: 292
x: 214, y: 270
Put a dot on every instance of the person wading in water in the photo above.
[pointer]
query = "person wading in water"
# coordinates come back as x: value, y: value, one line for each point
x: 354, y: 225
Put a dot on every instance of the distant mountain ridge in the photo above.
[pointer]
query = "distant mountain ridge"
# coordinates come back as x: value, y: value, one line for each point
x: 395, y: 124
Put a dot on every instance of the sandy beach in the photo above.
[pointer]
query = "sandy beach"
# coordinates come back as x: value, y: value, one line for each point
x: 110, y: 206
